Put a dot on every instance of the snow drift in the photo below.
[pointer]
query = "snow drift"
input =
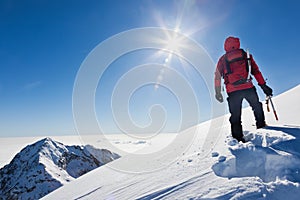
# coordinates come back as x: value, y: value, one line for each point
x: 270, y: 155
x: 46, y: 165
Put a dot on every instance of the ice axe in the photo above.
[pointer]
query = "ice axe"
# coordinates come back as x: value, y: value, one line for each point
x: 269, y: 99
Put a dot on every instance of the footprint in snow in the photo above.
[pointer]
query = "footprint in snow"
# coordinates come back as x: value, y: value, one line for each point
x: 214, y: 154
x: 222, y: 159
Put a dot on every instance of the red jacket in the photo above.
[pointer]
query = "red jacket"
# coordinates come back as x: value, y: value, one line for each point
x: 232, y: 46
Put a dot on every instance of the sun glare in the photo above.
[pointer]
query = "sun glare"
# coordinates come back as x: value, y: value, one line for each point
x: 174, y: 44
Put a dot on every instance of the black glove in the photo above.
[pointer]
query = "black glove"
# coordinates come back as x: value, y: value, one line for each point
x: 267, y: 90
x: 218, y: 95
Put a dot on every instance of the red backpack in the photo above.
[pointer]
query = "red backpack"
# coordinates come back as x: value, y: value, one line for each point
x: 236, y: 67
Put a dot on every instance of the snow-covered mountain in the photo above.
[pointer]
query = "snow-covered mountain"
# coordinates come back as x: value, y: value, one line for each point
x: 267, y: 167
x: 46, y: 165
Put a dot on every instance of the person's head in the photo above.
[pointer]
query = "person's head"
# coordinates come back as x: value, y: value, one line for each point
x: 231, y: 43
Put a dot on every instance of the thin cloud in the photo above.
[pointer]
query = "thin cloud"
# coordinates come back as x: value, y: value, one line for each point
x: 32, y: 85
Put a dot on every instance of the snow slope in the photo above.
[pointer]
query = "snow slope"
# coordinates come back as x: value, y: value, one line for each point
x: 267, y: 167
x: 46, y: 165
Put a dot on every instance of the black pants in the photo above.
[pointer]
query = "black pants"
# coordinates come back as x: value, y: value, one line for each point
x: 235, y: 100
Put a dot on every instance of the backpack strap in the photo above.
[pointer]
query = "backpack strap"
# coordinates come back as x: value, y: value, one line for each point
x: 228, y: 69
x: 248, y: 65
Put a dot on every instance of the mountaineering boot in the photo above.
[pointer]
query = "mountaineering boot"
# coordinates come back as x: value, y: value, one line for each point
x: 237, y: 132
x: 261, y: 125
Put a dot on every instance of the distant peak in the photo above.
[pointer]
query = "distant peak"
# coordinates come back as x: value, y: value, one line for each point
x: 46, y: 140
x: 45, y: 144
x: 47, y: 164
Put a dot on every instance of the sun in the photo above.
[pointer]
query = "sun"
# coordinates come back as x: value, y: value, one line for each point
x: 174, y: 44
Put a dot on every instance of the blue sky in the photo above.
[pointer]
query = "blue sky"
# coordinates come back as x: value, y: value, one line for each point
x: 43, y: 44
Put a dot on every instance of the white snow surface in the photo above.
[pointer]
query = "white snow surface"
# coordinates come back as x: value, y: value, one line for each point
x: 265, y: 167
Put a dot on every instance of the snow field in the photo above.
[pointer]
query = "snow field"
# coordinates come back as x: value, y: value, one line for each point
x: 266, y: 167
